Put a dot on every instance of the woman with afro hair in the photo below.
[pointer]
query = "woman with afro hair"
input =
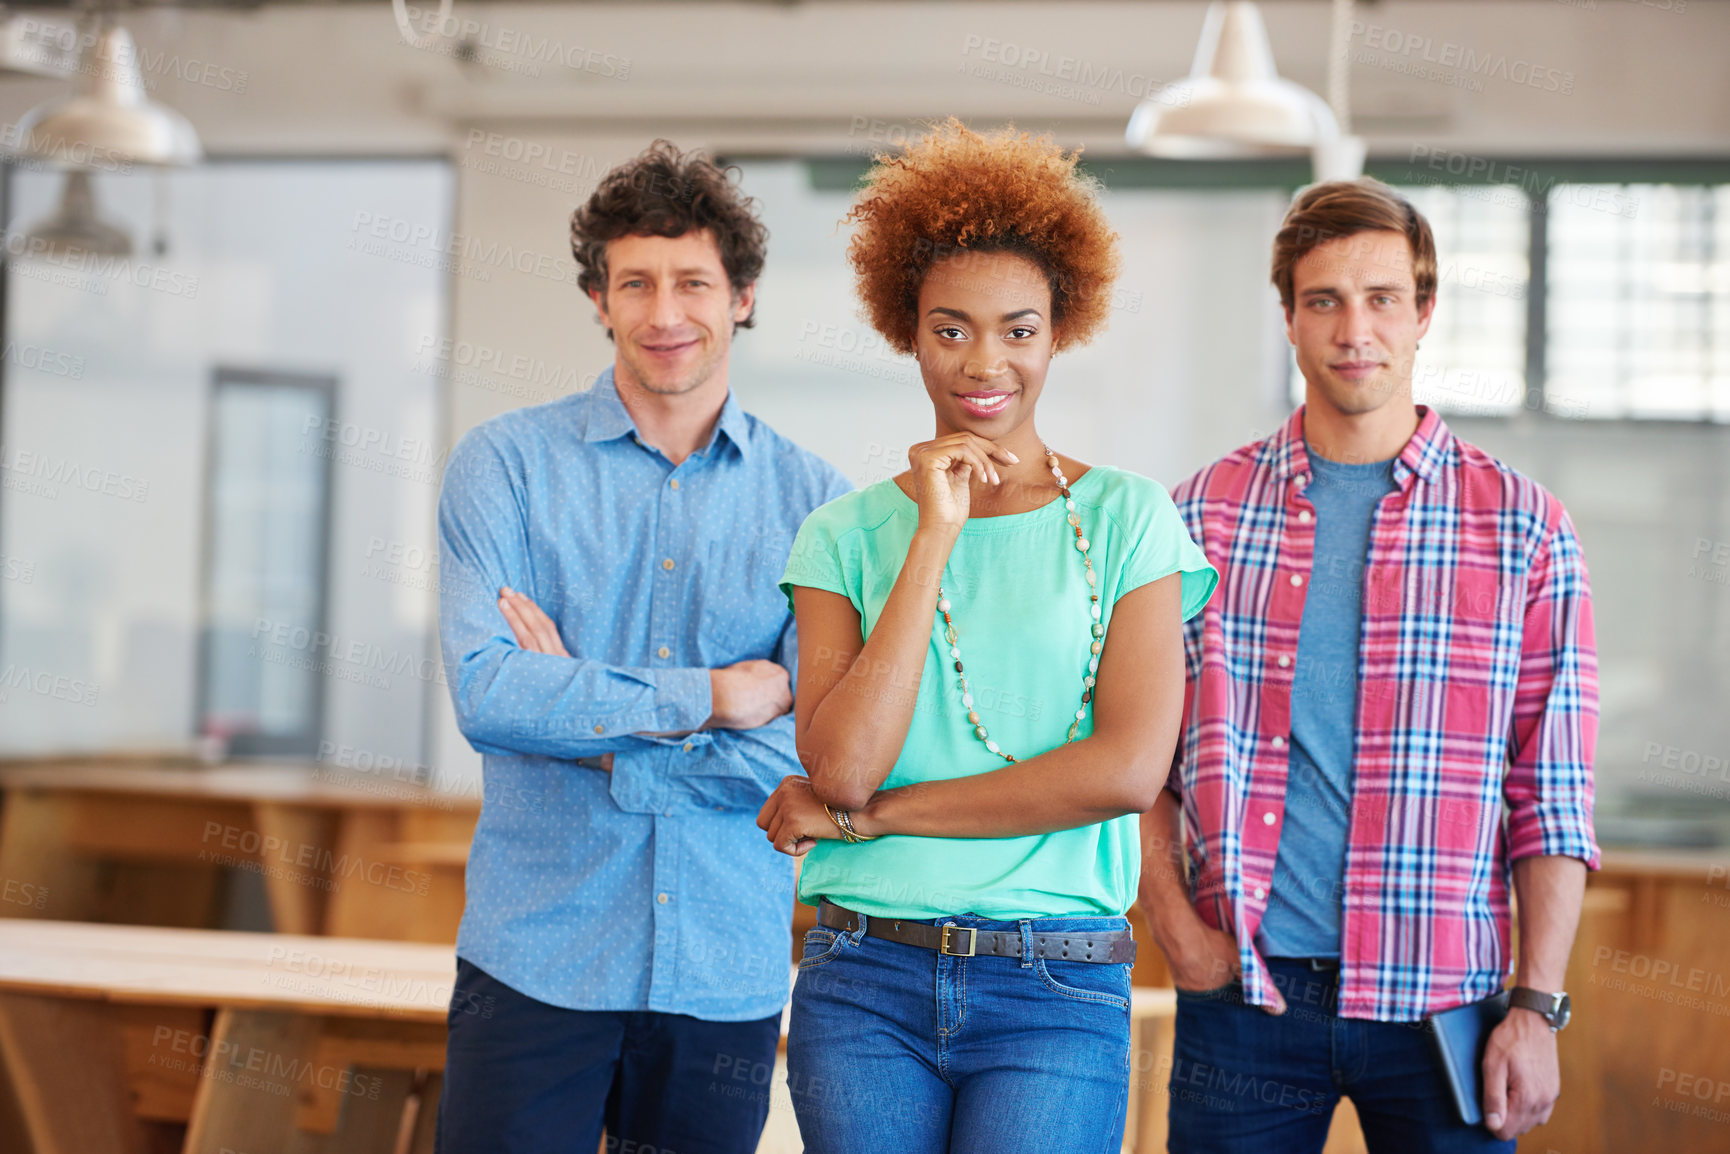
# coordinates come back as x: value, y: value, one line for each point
x: 989, y: 686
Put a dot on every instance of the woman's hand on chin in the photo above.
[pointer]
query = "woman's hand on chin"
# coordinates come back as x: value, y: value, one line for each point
x: 794, y: 819
x: 943, y: 473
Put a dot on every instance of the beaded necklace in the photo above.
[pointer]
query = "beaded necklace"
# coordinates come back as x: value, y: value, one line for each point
x: 1087, y: 680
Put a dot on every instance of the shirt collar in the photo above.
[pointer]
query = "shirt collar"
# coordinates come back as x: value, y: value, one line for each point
x: 608, y: 419
x: 1428, y: 449
x: 1431, y: 445
x: 734, y: 425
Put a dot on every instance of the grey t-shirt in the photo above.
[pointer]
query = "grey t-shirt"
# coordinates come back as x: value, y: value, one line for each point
x: 1303, y: 909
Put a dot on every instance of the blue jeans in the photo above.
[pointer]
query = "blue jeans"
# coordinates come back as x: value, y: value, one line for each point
x: 899, y: 1048
x: 1244, y: 1081
x: 523, y: 1077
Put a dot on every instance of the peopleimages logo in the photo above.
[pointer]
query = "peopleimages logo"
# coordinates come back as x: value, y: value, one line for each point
x: 459, y: 253
x: 1414, y: 49
x: 103, y: 266
x: 151, y: 65
x: 51, y: 471
x: 511, y: 49
x: 351, y: 659
x: 29, y: 356
x: 60, y: 150
x: 45, y: 684
x: 1069, y: 76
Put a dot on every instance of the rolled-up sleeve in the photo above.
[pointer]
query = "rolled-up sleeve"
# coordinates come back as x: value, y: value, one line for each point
x: 716, y: 769
x: 1555, y: 719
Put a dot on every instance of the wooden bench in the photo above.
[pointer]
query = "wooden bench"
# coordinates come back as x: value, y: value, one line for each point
x: 338, y: 853
x: 116, y: 1036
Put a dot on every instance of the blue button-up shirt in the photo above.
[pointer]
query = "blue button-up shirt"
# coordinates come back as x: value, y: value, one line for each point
x: 649, y: 888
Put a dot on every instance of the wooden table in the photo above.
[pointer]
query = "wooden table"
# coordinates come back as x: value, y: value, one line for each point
x: 339, y: 853
x: 116, y: 1036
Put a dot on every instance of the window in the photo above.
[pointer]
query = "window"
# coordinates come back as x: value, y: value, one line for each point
x: 1473, y: 359
x: 268, y: 520
x: 1639, y: 301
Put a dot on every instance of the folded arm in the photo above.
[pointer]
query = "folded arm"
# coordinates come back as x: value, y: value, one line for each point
x: 1119, y: 768
x: 509, y: 699
x: 699, y: 770
x: 856, y: 695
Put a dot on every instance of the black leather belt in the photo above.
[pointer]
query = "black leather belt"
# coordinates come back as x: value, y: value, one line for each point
x: 1316, y: 965
x: 1109, y: 947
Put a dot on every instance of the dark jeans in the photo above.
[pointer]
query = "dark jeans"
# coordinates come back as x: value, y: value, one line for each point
x: 1246, y: 1082
x: 523, y: 1077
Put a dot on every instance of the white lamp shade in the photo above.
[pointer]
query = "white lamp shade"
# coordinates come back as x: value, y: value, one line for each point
x: 110, y: 119
x: 1233, y: 103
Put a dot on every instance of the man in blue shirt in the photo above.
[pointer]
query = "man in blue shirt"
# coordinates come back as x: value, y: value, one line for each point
x: 618, y: 651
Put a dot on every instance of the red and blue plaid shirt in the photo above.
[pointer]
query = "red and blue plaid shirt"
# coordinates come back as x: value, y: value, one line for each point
x: 1477, y: 687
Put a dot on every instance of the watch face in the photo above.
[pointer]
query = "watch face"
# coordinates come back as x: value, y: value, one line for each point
x: 1564, y: 1011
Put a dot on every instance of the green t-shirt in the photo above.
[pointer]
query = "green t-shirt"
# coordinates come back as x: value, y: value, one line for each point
x: 1019, y: 598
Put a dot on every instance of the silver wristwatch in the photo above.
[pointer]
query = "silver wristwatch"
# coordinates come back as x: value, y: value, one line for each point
x: 1553, y: 1008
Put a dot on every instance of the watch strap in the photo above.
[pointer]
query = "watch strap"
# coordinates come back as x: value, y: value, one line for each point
x: 1546, y: 1005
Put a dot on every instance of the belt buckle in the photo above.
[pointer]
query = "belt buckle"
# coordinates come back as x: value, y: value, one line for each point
x: 972, y: 937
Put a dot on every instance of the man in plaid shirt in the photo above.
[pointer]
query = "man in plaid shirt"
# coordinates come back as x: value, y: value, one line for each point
x: 1400, y: 650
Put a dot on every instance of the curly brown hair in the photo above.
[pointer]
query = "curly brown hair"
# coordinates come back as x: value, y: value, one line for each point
x: 665, y: 192
x: 955, y: 192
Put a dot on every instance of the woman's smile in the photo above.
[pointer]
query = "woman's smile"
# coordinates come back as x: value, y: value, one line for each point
x: 985, y: 402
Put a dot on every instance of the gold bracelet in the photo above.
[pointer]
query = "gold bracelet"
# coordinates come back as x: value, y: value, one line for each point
x: 834, y: 817
x: 847, y: 820
x: 842, y: 823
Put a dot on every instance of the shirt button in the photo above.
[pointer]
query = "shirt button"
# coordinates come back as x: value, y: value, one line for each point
x: 662, y: 898
x: 1284, y: 661
x: 600, y: 729
x: 1260, y: 893
x: 1297, y: 578
x: 667, y: 564
x: 1303, y: 516
x: 1278, y: 741
x: 663, y: 651
x: 674, y: 483
x: 1268, y: 818
x: 688, y: 750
